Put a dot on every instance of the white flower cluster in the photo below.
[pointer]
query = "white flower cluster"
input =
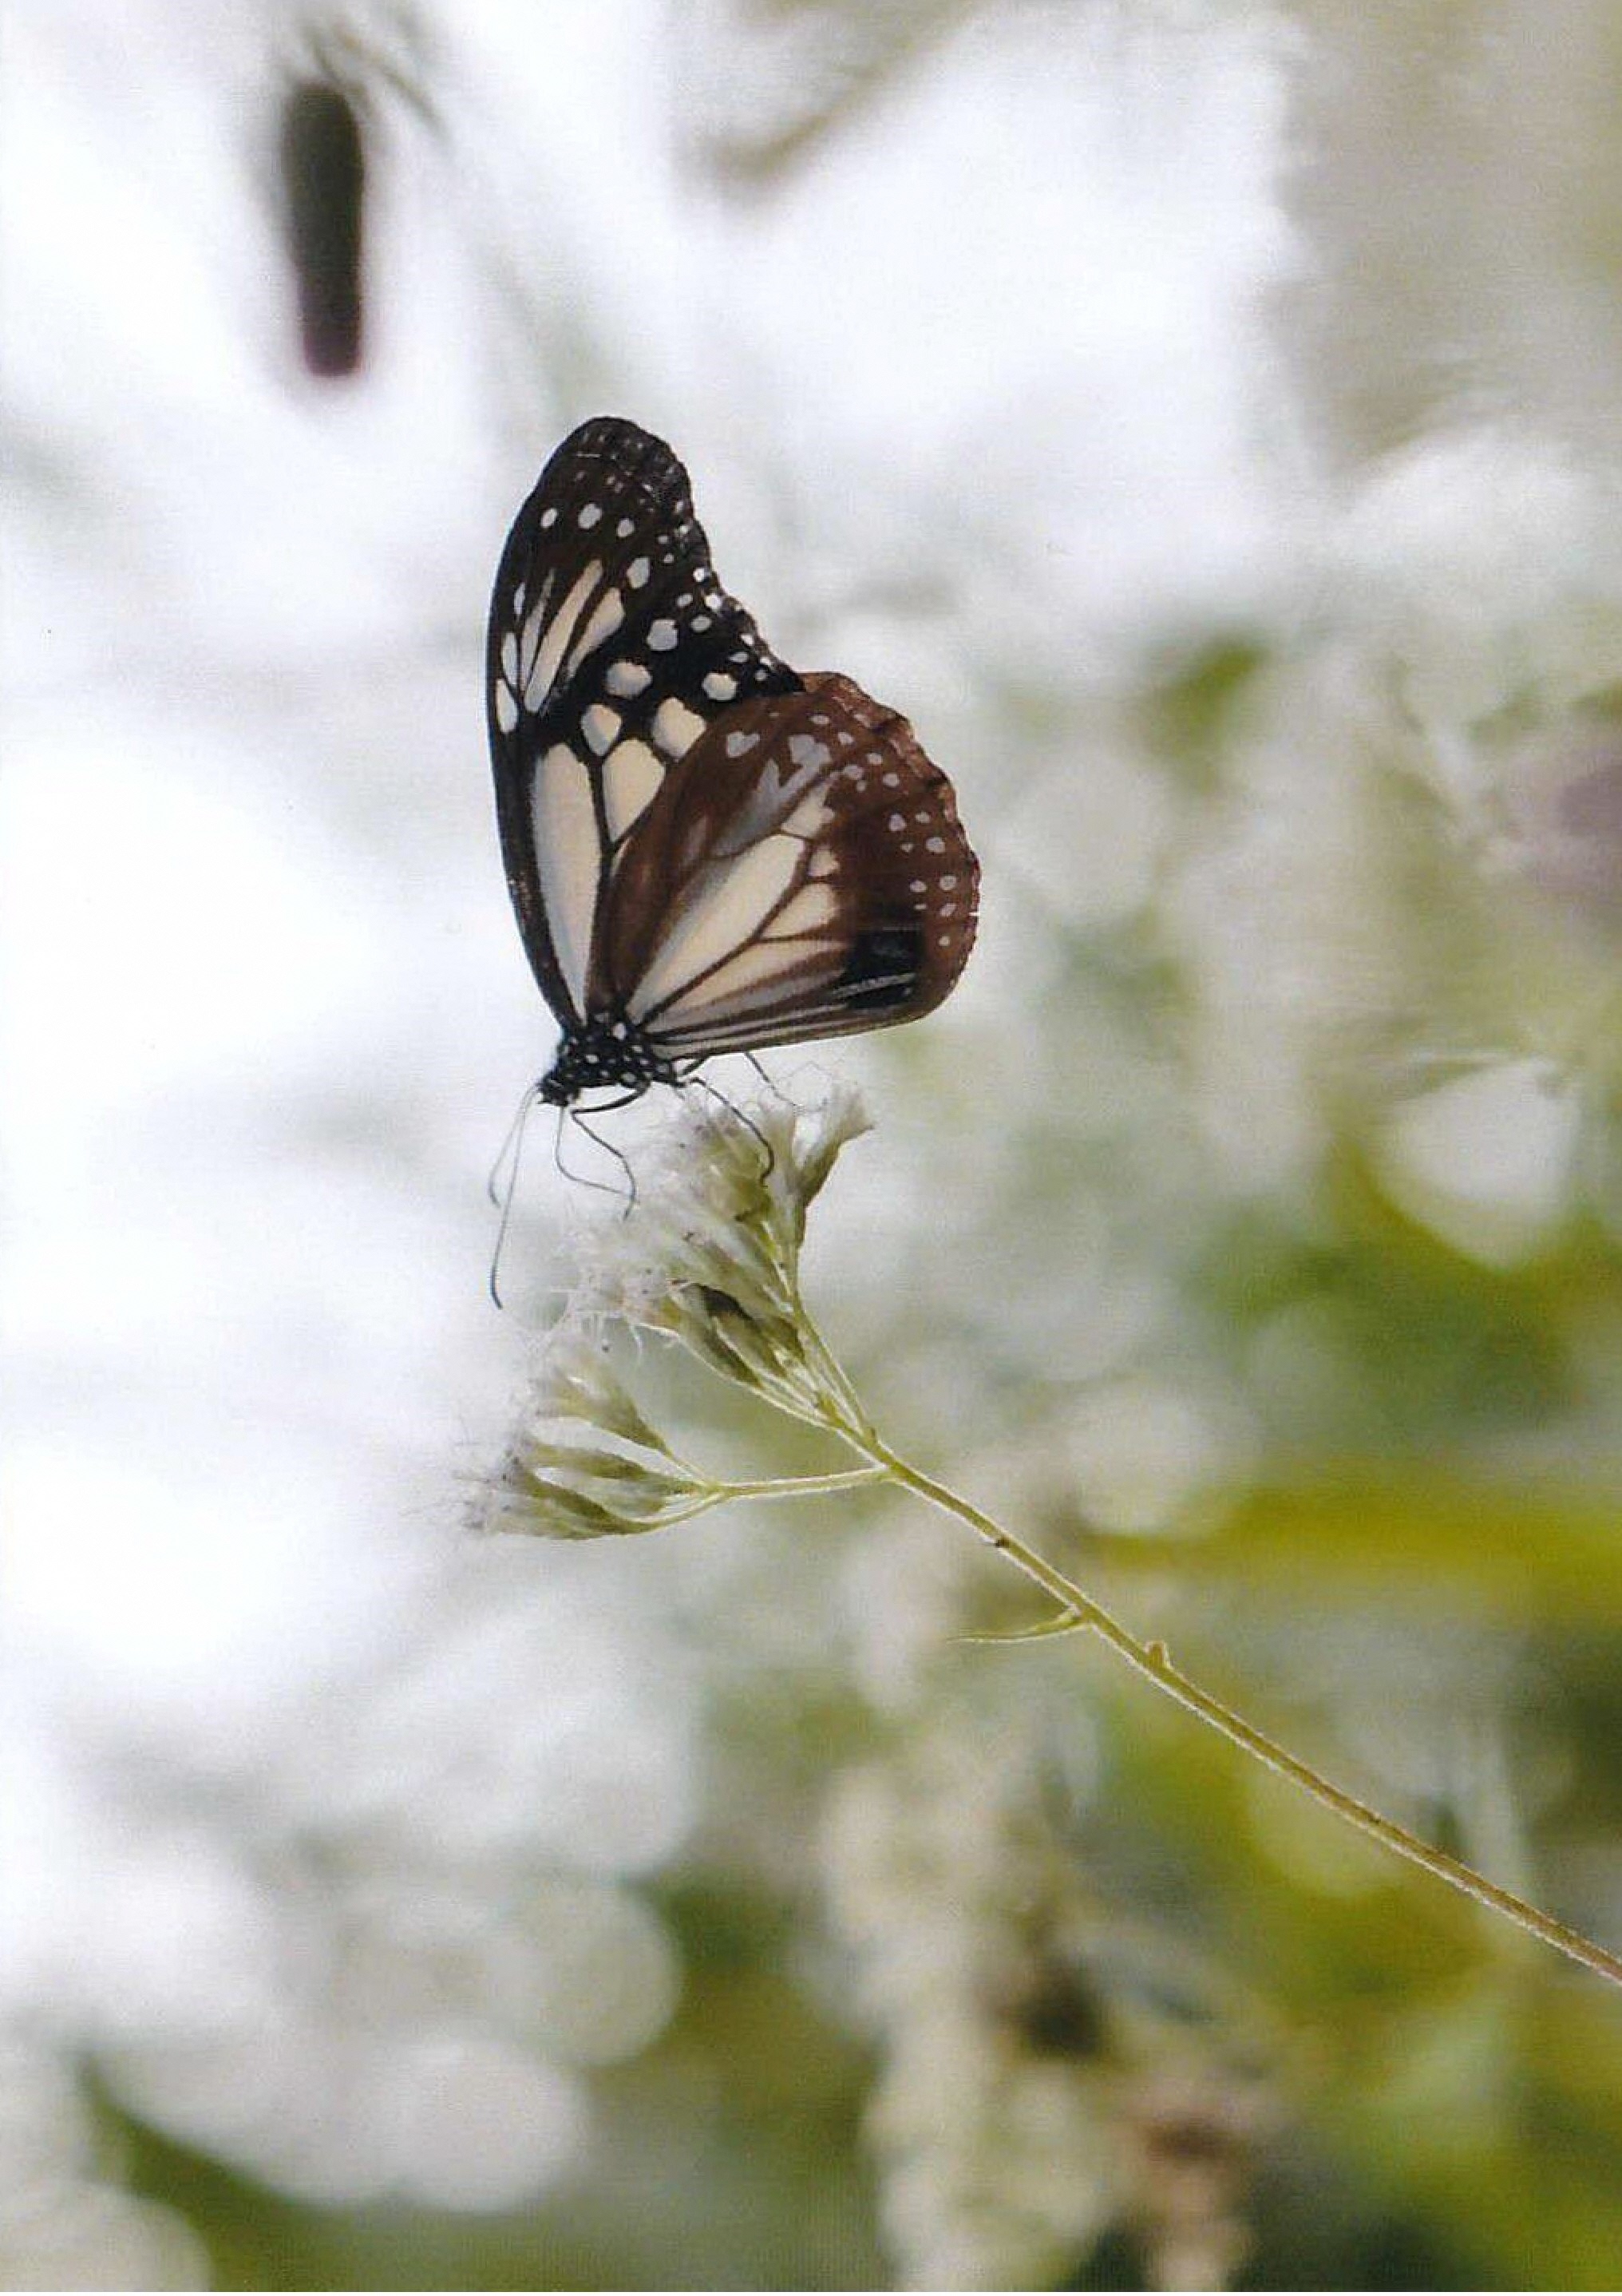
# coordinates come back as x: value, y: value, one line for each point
x: 708, y: 1256
x: 1047, y: 2075
x: 991, y: 2119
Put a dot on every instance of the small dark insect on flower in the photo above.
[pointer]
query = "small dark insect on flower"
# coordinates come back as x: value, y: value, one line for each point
x: 323, y: 166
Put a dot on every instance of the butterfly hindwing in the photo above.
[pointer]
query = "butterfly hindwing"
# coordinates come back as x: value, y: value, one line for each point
x: 612, y: 649
x: 802, y: 874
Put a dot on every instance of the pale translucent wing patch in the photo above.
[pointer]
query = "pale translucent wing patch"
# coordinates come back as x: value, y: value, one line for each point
x: 631, y: 776
x: 724, y: 906
x: 568, y: 858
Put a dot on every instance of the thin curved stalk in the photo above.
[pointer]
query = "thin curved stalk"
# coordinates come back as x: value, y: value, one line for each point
x: 1153, y: 1661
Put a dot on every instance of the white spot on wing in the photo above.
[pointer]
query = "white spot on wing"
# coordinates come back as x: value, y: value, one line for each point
x: 601, y: 726
x: 661, y: 636
x: 720, y: 687
x: 590, y: 514
x: 637, y: 572
x: 739, y: 746
x: 675, y: 728
x: 627, y: 678
x: 506, y: 708
x: 805, y: 750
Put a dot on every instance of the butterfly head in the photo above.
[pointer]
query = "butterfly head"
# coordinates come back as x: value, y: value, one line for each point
x: 603, y: 1051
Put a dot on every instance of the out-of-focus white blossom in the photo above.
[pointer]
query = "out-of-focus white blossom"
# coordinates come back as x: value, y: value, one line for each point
x: 1035, y: 2090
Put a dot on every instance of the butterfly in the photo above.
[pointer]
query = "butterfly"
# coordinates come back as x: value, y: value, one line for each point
x: 708, y: 851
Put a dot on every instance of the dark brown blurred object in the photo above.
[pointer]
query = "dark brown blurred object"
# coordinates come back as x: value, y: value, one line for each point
x: 323, y: 160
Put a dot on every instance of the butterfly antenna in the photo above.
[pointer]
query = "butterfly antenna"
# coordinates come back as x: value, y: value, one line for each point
x: 610, y: 1148
x: 498, y: 1192
x: 511, y: 1152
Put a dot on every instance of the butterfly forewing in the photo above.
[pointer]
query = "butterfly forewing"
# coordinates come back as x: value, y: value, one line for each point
x: 612, y: 649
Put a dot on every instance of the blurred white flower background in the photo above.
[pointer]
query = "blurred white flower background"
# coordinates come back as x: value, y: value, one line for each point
x: 1202, y: 421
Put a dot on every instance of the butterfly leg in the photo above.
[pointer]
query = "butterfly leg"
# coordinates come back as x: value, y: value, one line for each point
x: 768, y: 1154
x: 619, y: 1155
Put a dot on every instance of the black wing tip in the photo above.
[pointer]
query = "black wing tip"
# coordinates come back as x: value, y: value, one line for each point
x: 641, y: 458
x: 639, y: 464
x: 607, y: 433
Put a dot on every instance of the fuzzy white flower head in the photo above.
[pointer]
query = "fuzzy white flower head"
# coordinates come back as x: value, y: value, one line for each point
x: 584, y: 1461
x: 710, y: 1256
x: 710, y: 1253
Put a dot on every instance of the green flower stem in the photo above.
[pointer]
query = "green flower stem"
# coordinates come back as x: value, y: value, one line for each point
x: 773, y: 1487
x: 848, y: 1417
x: 1153, y: 1661
x: 800, y: 1486
x: 781, y: 1487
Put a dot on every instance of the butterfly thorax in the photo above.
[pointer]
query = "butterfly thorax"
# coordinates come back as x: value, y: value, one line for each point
x: 603, y: 1050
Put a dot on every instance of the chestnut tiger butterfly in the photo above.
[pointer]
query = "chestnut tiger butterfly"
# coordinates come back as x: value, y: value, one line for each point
x: 708, y: 851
